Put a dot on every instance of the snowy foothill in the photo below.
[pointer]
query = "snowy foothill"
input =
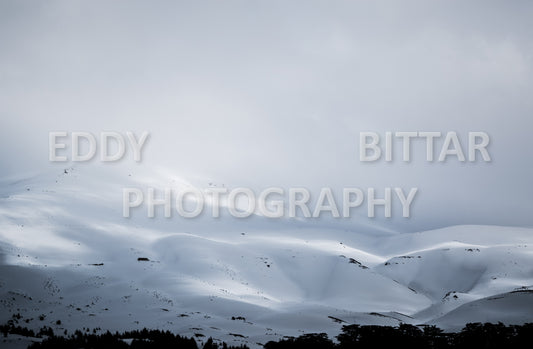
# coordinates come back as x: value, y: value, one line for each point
x: 70, y: 260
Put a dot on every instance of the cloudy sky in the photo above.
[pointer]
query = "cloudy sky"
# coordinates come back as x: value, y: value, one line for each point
x: 275, y: 93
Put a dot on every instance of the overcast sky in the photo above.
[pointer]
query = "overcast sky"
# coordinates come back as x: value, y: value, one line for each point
x: 275, y: 93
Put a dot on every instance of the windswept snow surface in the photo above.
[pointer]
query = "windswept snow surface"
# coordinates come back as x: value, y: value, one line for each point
x: 68, y: 254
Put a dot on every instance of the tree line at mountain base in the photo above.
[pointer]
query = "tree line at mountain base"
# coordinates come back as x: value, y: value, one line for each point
x: 473, y: 335
x: 137, y: 339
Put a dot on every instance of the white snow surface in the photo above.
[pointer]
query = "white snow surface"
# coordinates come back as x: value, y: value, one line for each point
x: 66, y: 253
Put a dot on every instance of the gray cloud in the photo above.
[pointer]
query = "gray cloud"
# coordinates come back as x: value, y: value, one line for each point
x: 276, y: 93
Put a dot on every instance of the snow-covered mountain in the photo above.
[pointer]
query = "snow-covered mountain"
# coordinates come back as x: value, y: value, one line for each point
x: 70, y: 260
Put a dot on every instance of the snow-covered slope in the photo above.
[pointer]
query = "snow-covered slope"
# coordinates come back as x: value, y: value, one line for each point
x: 67, y: 254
